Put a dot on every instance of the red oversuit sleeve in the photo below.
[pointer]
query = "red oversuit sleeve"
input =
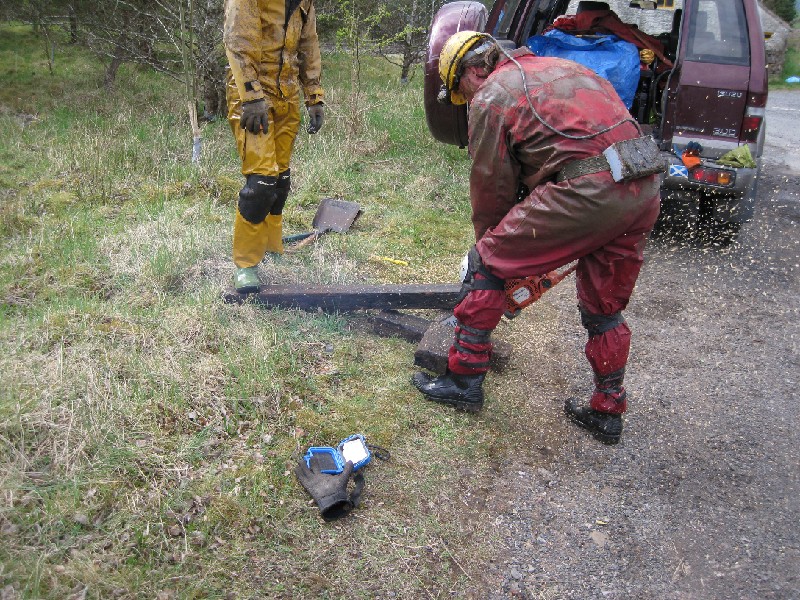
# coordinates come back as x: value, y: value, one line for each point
x: 495, y: 175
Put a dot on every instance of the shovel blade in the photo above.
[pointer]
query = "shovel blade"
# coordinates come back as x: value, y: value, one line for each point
x: 336, y: 215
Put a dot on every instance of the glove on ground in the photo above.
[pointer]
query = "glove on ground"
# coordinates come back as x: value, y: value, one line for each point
x: 328, y: 491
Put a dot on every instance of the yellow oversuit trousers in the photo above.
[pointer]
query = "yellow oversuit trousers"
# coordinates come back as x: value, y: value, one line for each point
x: 265, y: 154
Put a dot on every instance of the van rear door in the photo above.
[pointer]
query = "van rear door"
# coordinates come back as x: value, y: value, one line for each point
x: 709, y: 87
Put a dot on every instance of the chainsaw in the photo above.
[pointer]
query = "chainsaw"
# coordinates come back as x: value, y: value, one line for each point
x: 527, y: 290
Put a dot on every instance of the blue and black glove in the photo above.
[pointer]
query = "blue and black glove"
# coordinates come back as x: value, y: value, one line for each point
x: 693, y: 147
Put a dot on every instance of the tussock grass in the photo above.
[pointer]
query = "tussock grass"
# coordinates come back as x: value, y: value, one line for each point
x: 147, y: 430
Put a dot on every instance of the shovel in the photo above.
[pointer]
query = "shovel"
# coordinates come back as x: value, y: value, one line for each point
x: 332, y: 215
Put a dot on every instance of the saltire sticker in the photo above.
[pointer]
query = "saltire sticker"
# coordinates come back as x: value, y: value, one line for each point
x: 678, y: 171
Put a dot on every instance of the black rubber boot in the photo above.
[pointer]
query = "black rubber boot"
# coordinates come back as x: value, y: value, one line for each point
x: 604, y: 426
x: 465, y: 392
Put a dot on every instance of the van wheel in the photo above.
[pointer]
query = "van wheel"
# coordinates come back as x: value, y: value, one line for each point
x: 714, y: 232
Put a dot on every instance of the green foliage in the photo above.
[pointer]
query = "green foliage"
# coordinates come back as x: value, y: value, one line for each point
x: 785, y: 9
x: 791, y: 65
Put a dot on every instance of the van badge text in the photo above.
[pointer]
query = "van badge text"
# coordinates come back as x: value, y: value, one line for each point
x: 724, y: 132
x: 729, y: 94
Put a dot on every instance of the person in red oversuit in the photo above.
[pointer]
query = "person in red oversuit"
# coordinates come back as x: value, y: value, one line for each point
x: 544, y: 145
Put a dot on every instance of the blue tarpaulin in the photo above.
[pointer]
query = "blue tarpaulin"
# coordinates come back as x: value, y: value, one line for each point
x: 607, y: 55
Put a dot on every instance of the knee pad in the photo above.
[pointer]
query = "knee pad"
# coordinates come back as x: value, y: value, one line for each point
x: 282, y: 189
x: 257, y: 197
x: 471, y: 267
x: 596, y: 324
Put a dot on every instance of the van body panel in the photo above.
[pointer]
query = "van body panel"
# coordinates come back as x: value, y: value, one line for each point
x: 708, y: 103
x: 714, y: 71
x: 718, y: 78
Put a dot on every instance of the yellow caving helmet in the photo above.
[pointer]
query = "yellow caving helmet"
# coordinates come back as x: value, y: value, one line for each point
x: 453, y: 51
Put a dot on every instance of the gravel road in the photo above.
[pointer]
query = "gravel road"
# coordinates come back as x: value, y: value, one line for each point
x: 701, y: 499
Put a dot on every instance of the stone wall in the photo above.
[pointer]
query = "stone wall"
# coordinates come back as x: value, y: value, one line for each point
x: 776, y: 32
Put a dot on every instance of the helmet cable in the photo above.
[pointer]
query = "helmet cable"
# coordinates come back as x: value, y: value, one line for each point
x: 539, y: 117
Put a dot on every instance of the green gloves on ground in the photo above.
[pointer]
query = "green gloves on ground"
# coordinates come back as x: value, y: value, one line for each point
x: 254, y: 116
x: 316, y: 116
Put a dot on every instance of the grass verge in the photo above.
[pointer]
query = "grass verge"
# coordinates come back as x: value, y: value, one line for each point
x: 147, y: 430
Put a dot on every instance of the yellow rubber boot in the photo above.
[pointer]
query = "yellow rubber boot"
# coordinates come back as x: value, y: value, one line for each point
x: 274, y: 233
x: 249, y: 241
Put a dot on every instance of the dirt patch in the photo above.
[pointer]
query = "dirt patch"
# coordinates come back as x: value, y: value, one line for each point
x: 700, y: 500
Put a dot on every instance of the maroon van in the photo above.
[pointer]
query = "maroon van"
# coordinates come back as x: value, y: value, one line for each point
x: 708, y: 87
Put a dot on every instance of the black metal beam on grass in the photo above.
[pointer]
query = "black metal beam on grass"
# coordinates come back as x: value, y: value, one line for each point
x: 345, y: 298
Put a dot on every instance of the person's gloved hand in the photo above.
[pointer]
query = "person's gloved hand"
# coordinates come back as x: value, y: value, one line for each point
x: 694, y: 147
x: 328, y: 491
x: 691, y: 155
x: 254, y: 116
x: 316, y: 116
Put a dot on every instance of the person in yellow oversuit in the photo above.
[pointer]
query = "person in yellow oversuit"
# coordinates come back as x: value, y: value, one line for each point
x: 273, y: 52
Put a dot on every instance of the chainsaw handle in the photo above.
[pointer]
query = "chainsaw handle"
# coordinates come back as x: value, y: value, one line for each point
x: 557, y: 277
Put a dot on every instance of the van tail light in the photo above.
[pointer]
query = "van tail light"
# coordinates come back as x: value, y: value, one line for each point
x: 719, y: 177
x: 753, y: 117
x: 751, y: 124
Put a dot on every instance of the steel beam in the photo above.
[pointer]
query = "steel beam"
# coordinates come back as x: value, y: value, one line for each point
x: 346, y: 298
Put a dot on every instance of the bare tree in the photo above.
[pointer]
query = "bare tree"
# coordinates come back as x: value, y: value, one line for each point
x: 402, y: 31
x: 210, y: 55
x: 396, y: 29
x: 159, y: 34
x: 144, y: 32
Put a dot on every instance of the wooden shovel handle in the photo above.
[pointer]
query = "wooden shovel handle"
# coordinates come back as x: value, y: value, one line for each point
x: 303, y: 243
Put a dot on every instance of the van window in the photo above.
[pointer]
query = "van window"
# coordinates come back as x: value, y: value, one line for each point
x: 718, y: 33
